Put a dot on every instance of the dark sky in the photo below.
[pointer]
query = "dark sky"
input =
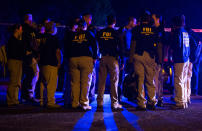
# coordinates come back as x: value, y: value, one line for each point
x: 11, y: 11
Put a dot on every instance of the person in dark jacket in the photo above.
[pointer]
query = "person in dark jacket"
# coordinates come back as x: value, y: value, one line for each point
x: 126, y: 36
x: 15, y: 53
x: 82, y: 55
x: 88, y: 19
x: 30, y: 64
x: 73, y: 25
x: 145, y: 55
x: 110, y: 49
x: 159, y: 75
x: 50, y: 62
x: 180, y: 47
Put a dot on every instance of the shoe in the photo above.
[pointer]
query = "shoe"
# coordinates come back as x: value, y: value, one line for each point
x: 151, y: 107
x: 86, y: 108
x: 117, y: 107
x: 178, y: 107
x: 194, y: 94
x: 100, y: 106
x: 12, y: 105
x: 139, y: 108
x: 189, y: 102
x: 53, y: 106
x: 30, y: 100
x: 160, y: 103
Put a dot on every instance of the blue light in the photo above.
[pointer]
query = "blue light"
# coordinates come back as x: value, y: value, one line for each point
x: 85, y: 122
x: 108, y: 114
x: 132, y: 119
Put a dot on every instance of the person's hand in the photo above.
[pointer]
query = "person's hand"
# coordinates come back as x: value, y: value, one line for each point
x: 199, y: 43
x: 34, y: 61
x: 94, y: 61
x: 28, y: 52
x: 59, y: 65
x: 122, y: 67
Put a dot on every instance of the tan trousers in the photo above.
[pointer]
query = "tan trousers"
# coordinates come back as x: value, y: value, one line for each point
x: 49, y: 80
x: 189, y: 75
x: 15, y: 71
x: 108, y: 64
x: 180, y: 83
x: 81, y: 69
x: 145, y: 68
x: 159, y: 83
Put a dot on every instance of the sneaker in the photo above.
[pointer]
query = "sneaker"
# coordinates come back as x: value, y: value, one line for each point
x: 86, y: 108
x: 116, y: 106
x: 178, y: 107
x: 139, y: 108
x: 160, y: 103
x: 151, y: 107
x: 53, y: 106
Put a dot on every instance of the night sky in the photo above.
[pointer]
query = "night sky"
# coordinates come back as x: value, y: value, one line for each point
x: 11, y: 11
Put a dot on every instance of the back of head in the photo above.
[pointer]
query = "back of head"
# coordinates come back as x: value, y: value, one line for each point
x: 82, y: 25
x: 28, y: 18
x: 146, y: 18
x: 13, y: 28
x: 178, y: 21
x: 111, y: 19
x: 50, y: 27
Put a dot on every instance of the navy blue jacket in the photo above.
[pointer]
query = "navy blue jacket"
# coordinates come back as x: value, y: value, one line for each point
x: 80, y: 44
x: 180, y: 45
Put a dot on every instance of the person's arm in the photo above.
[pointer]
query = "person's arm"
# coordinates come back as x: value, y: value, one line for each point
x: 59, y: 57
x: 121, y: 50
x: 160, y: 53
x: 132, y: 50
x: 94, y: 46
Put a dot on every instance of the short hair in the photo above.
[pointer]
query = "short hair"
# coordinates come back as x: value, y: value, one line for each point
x: 111, y: 19
x: 87, y: 14
x: 178, y: 20
x: 82, y: 23
x: 50, y: 26
x: 26, y: 17
x: 14, y: 27
x: 145, y: 16
x: 131, y: 18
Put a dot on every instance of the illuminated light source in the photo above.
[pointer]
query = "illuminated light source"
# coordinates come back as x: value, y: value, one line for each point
x: 194, y: 30
x: 170, y: 70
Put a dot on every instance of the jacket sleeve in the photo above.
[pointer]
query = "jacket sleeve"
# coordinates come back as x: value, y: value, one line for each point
x: 94, y: 45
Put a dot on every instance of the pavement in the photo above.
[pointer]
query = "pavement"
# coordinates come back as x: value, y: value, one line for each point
x: 28, y: 117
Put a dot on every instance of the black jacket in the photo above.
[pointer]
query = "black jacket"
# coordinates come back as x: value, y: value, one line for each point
x: 80, y: 44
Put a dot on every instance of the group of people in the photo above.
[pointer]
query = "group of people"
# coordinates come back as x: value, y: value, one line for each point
x: 138, y: 47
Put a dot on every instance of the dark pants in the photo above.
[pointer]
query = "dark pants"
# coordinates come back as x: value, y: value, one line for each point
x: 195, y: 78
x: 67, y: 88
x: 127, y: 70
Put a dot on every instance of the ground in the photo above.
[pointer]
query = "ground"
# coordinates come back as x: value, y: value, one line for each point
x: 31, y: 118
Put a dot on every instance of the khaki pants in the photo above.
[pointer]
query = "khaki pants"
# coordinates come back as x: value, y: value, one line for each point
x: 159, y: 83
x: 31, y: 72
x: 49, y: 80
x: 108, y: 64
x: 180, y: 82
x: 145, y: 68
x: 15, y: 70
x: 81, y: 69
x: 188, y: 83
